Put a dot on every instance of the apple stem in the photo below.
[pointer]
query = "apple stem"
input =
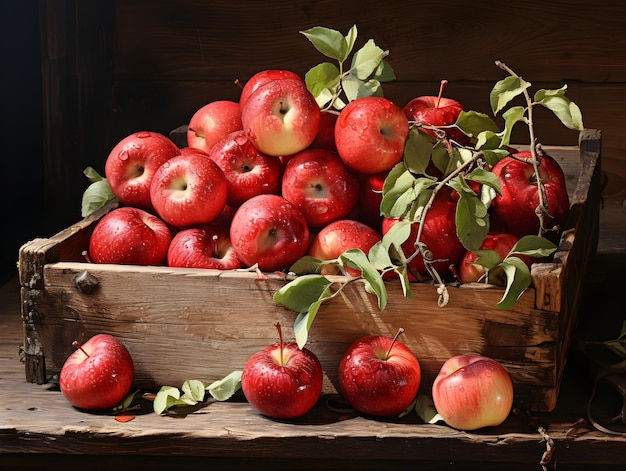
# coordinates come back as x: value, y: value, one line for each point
x: 77, y: 345
x: 442, y: 85
x: 393, y: 341
x: 238, y: 83
x: 85, y: 254
x: 280, y: 341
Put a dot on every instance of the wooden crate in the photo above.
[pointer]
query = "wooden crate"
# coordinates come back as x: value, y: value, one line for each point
x: 202, y: 324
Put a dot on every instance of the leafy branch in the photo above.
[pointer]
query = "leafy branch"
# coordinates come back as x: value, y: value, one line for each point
x: 409, y: 190
x: 333, y: 86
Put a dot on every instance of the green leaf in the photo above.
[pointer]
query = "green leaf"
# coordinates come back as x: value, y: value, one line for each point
x: 350, y: 40
x: 194, y: 390
x: 378, y: 256
x: 355, y: 258
x: 355, y: 88
x: 542, y: 93
x: 484, y: 177
x: 488, y: 140
x: 473, y: 123
x: 301, y: 292
x: 417, y: 151
x: 506, y: 90
x: 567, y: 111
x: 92, y: 174
x: 307, y: 265
x: 165, y: 398
x: 223, y: 389
x: 425, y: 409
x: 493, y: 156
x: 322, y: 77
x: 511, y: 117
x: 488, y: 259
x: 517, y: 281
x: 472, y: 220
x: 384, y: 72
x: 533, y: 246
x: 328, y: 41
x: 97, y: 195
x: 366, y: 60
x: 304, y: 320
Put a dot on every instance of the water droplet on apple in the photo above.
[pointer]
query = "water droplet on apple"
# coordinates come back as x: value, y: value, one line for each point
x: 123, y: 155
x: 143, y: 134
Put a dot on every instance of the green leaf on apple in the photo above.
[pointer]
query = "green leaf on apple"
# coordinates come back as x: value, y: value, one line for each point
x: 471, y: 217
x: 484, y: 177
x: 97, y: 194
x: 417, y: 151
x: 223, y: 389
x: 324, y: 76
x: 506, y: 90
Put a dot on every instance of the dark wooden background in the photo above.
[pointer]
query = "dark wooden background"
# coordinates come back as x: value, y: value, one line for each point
x: 79, y: 76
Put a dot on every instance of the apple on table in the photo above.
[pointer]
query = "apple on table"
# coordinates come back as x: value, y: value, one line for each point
x: 379, y: 375
x: 472, y: 392
x: 98, y: 374
x: 282, y: 381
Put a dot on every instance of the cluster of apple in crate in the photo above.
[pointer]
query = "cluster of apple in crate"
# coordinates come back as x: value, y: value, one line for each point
x: 378, y: 376
x: 271, y: 178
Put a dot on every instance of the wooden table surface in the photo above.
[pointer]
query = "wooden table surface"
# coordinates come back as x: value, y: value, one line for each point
x: 39, y: 428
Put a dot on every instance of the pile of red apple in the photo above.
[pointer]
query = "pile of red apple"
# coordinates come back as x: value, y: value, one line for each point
x: 272, y: 178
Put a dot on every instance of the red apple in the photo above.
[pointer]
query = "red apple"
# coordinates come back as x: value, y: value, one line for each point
x: 269, y: 231
x: 207, y: 246
x: 326, y: 135
x: 337, y: 237
x: 189, y: 189
x: 320, y: 185
x: 248, y: 171
x: 472, y: 392
x: 132, y: 163
x: 98, y: 375
x: 281, y: 117
x: 282, y: 381
x: 514, y: 210
x: 261, y: 78
x: 437, y: 111
x: 213, y: 122
x: 501, y: 243
x: 370, y: 198
x: 370, y: 134
x: 439, y: 236
x: 379, y: 375
x: 130, y: 236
